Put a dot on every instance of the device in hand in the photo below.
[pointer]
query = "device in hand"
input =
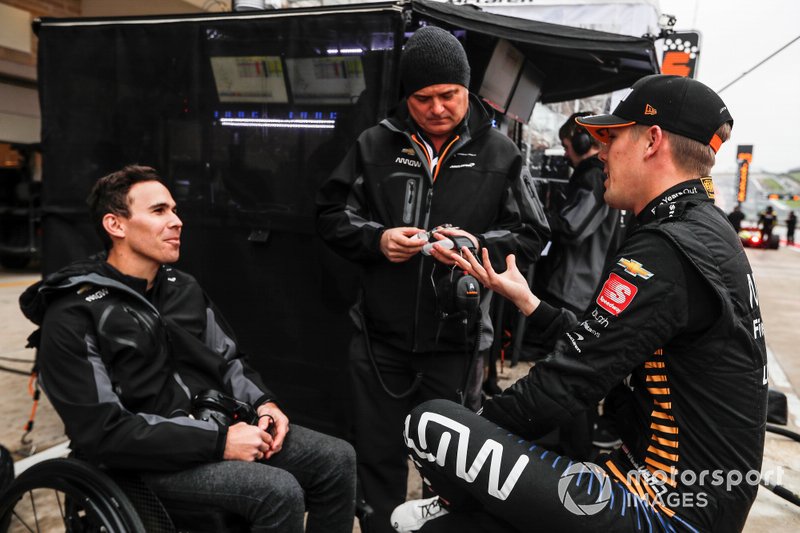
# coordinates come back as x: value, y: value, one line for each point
x: 447, y: 244
x: 429, y: 238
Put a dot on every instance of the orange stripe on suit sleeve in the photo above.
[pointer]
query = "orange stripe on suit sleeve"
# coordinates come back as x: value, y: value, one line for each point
x: 664, y: 442
x: 662, y: 453
x: 659, y: 414
x: 664, y: 429
x: 663, y: 476
x: 661, y: 466
x: 620, y: 476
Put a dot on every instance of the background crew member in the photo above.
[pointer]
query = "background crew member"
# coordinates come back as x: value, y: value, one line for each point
x: 126, y: 343
x: 767, y: 221
x: 791, y: 224
x: 676, y: 322
x: 436, y: 161
x: 586, y: 232
x: 736, y: 217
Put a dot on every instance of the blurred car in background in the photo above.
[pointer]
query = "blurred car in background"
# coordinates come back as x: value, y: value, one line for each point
x: 751, y: 238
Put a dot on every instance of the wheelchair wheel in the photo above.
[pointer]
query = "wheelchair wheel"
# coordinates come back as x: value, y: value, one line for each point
x: 66, y: 495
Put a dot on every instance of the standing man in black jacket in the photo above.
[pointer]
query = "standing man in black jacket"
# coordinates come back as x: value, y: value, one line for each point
x: 436, y: 162
x: 128, y: 341
x: 675, y: 326
x: 585, y: 229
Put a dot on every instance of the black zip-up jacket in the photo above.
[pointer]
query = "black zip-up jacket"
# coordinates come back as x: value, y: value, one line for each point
x: 120, y: 365
x: 480, y: 184
x: 586, y: 234
x: 677, y: 319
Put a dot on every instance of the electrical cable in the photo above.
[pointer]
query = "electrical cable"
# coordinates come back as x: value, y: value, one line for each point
x: 773, y: 54
x: 783, y: 431
x: 780, y: 490
x: 417, y: 379
x: 14, y: 371
x: 16, y: 360
x: 470, y: 360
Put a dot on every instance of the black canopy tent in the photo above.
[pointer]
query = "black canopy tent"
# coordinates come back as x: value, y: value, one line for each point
x: 244, y: 159
x: 576, y: 62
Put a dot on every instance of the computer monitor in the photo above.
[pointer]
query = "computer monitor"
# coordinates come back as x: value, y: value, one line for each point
x: 501, y: 75
x: 526, y: 93
x: 255, y: 79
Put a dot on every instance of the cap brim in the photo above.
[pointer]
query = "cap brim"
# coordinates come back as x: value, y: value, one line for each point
x: 598, y: 125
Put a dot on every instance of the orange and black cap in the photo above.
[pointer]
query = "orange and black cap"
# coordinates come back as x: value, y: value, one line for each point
x: 677, y: 104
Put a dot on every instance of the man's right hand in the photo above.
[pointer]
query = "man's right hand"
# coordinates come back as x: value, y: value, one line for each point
x: 246, y: 443
x: 399, y: 244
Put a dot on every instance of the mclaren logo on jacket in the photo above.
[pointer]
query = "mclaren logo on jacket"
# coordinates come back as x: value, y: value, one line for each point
x: 457, y: 435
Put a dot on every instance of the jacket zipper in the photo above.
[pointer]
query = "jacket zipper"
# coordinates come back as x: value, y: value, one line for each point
x: 420, y: 272
x: 411, y: 197
x: 428, y: 202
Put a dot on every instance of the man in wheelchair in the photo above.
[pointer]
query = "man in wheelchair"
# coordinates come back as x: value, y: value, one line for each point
x: 147, y: 376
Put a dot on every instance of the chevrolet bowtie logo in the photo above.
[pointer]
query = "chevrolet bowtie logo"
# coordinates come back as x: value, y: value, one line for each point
x: 650, y: 110
x: 634, y: 268
x: 408, y: 151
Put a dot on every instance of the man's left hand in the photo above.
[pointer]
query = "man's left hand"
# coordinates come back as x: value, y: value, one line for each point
x: 272, y: 420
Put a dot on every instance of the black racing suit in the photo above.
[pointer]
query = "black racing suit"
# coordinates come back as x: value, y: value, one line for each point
x: 392, y: 178
x: 677, y: 323
x: 120, y: 366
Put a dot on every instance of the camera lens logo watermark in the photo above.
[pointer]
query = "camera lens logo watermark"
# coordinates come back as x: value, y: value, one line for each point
x: 587, y: 479
x: 586, y: 475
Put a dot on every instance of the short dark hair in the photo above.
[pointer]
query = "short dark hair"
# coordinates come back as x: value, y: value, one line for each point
x: 570, y: 128
x: 110, y: 195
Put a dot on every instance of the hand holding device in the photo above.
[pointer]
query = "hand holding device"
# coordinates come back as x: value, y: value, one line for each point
x: 434, y: 237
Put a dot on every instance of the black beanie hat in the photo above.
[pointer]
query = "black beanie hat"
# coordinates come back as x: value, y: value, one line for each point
x: 432, y: 56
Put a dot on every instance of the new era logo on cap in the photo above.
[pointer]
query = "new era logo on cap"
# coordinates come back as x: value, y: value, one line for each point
x: 679, y: 105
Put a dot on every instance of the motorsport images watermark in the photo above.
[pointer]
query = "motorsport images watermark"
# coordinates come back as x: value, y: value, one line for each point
x: 590, y: 475
x: 577, y: 472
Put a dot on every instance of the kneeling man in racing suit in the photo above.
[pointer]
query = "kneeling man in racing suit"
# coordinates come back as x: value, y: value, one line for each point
x: 674, y: 328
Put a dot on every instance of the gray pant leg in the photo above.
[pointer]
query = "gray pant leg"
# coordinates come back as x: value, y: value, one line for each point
x: 313, y: 472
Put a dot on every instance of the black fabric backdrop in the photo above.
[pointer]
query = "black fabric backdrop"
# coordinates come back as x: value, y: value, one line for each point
x: 142, y: 90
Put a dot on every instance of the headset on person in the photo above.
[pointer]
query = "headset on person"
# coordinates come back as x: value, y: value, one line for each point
x: 580, y: 139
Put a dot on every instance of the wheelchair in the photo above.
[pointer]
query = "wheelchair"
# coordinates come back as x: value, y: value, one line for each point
x: 71, y: 495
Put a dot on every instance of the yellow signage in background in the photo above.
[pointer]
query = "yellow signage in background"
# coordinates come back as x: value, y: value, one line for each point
x: 744, y: 156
